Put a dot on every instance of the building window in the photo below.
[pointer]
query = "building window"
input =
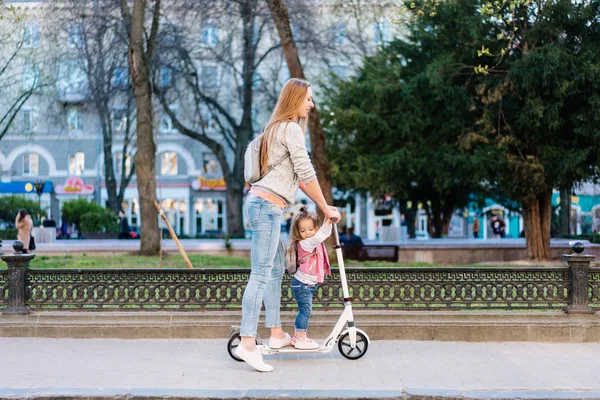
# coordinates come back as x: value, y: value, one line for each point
x: 166, y: 124
x: 31, y: 74
x: 337, y: 33
x: 209, y: 76
x: 76, y: 163
x: 31, y: 35
x: 257, y: 81
x: 169, y: 163
x: 120, y: 78
x: 211, y: 166
x: 381, y: 32
x: 164, y: 77
x: 255, y: 33
x: 119, y: 119
x: 71, y: 77
x: 31, y: 164
x: 118, y: 160
x: 296, y: 32
x: 27, y: 120
x: 209, y: 35
x: 75, y: 35
x: 75, y: 119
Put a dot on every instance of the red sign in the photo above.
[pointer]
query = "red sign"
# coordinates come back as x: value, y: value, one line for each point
x: 74, y: 185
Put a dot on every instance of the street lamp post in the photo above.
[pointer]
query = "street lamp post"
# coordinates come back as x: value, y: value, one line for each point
x: 39, y: 189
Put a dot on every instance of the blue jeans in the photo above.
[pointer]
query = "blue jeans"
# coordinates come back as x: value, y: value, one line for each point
x: 303, y: 294
x: 268, y: 265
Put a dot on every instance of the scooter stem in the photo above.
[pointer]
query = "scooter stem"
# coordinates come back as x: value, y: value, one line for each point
x: 340, y: 260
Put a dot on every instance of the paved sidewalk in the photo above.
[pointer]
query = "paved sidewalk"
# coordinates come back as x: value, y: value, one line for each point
x: 37, y: 367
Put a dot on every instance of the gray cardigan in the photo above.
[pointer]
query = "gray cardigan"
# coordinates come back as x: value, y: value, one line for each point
x: 292, y: 165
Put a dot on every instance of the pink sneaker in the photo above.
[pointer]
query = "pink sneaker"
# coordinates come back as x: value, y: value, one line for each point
x: 304, y: 343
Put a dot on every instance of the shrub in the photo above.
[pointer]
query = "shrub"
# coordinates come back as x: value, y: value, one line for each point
x: 104, y: 221
x: 72, y: 211
x: 10, y: 206
x: 8, y: 234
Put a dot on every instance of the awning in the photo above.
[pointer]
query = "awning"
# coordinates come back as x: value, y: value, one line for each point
x: 23, y: 187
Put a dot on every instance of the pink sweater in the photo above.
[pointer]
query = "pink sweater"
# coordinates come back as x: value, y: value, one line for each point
x: 314, y: 269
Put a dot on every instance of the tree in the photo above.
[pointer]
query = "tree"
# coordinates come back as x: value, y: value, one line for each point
x: 10, y: 206
x: 537, y: 102
x: 279, y: 13
x: 20, y: 75
x: 394, y: 129
x: 101, y: 54
x: 215, y: 121
x: 140, y: 54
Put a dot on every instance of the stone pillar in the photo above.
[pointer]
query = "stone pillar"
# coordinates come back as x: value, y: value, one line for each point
x: 579, y: 275
x: 17, y: 270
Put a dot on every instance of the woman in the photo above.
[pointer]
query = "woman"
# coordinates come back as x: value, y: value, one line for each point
x: 24, y: 224
x: 285, y: 167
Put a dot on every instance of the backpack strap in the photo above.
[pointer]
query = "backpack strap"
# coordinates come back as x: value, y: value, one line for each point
x: 272, y: 167
x: 306, y: 257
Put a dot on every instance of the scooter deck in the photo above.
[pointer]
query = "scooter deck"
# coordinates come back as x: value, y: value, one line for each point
x: 292, y: 349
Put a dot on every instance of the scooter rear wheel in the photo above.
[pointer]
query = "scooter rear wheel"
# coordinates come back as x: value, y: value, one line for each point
x: 233, y: 343
x: 362, y: 345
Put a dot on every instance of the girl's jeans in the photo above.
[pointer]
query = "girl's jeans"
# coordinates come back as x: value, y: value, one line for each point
x: 303, y: 294
x: 268, y: 265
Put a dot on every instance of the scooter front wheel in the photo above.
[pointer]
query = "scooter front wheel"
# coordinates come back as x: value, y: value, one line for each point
x: 362, y: 345
x: 233, y: 343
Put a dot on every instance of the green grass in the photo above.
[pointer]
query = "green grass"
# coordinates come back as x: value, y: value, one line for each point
x: 198, y: 261
x: 130, y: 261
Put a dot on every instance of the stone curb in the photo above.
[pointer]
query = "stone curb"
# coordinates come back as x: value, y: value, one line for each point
x: 378, y: 324
x: 255, y: 394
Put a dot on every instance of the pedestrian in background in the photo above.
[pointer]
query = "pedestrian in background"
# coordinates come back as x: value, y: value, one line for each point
x: 24, y: 224
x: 476, y: 227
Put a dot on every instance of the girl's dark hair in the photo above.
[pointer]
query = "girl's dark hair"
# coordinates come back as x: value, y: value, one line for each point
x: 22, y: 213
x: 294, y: 230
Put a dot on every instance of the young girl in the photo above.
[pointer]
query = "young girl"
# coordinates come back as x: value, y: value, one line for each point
x: 307, y: 239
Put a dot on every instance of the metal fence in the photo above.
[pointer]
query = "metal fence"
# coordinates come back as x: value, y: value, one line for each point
x: 574, y: 287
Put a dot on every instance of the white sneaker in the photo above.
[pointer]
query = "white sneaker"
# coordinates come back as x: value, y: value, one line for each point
x: 305, y: 344
x: 254, y: 358
x: 276, y: 343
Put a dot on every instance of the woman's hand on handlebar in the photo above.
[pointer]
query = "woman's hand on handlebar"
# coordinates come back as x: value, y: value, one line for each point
x: 332, y: 213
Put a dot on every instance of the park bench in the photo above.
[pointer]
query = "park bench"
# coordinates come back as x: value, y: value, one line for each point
x: 371, y: 253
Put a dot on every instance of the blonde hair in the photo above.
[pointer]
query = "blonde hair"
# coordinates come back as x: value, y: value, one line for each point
x: 295, y: 229
x: 290, y: 99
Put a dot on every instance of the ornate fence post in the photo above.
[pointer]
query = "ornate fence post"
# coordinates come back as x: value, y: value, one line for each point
x: 17, y: 269
x: 579, y: 274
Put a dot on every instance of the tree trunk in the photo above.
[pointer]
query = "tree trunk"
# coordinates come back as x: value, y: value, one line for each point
x: 565, y: 212
x: 109, y: 173
x: 144, y: 158
x: 536, y: 218
x: 280, y: 16
x: 235, y: 197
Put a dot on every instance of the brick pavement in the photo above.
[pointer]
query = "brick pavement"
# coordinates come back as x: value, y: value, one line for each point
x: 45, y: 367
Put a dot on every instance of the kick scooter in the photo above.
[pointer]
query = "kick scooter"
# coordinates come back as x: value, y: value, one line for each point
x: 352, y: 342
